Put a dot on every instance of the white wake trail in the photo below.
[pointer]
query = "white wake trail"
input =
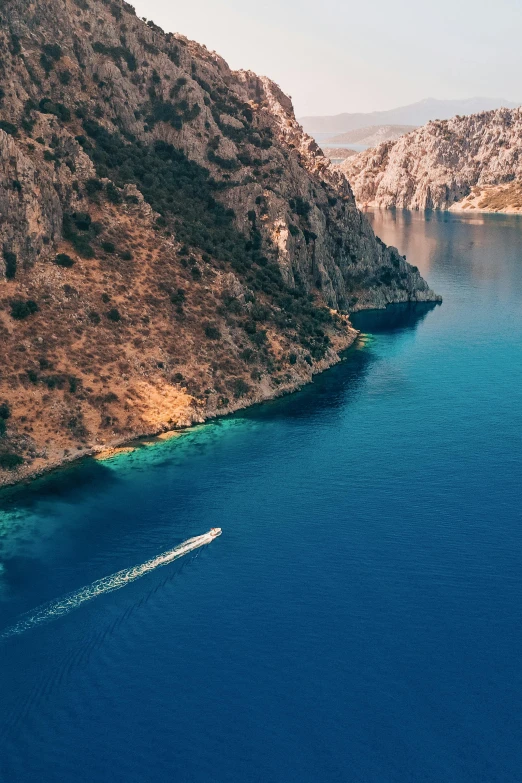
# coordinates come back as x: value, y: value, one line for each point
x: 67, y: 603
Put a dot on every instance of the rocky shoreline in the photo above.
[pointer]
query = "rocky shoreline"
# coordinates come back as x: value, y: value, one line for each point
x: 173, y: 246
x: 118, y: 445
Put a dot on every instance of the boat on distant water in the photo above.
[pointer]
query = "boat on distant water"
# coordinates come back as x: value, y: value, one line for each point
x: 215, y: 532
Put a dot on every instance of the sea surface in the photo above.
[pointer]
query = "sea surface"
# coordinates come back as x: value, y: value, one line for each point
x: 360, y: 617
x: 323, y: 139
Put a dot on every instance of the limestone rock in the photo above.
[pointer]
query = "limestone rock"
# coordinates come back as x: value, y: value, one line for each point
x: 471, y: 161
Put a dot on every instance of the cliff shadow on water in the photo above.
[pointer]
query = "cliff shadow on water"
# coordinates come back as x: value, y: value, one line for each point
x: 329, y: 390
x: 69, y: 483
x: 401, y: 317
x: 341, y: 384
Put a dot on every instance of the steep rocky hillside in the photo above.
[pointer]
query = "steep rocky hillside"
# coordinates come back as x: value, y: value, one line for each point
x: 172, y: 246
x: 465, y: 163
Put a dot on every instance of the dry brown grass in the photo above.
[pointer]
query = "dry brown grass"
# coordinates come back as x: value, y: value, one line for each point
x: 128, y: 372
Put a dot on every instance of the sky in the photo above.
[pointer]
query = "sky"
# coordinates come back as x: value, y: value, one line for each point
x: 334, y: 56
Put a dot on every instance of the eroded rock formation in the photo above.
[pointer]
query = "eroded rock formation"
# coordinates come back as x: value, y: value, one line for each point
x: 470, y: 162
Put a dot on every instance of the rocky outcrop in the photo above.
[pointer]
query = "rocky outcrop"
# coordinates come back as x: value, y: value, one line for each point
x: 472, y: 161
x: 172, y: 245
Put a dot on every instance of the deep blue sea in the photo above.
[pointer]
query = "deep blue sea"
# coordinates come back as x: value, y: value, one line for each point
x: 360, y: 617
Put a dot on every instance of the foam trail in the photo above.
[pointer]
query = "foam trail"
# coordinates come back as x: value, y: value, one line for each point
x: 69, y: 602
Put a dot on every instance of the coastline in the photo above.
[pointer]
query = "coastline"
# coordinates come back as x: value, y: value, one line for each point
x: 124, y: 444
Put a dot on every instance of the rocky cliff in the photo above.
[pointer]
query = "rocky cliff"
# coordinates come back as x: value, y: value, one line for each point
x: 172, y: 246
x: 470, y: 163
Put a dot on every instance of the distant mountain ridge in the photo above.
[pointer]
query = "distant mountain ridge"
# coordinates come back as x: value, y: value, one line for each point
x: 414, y: 114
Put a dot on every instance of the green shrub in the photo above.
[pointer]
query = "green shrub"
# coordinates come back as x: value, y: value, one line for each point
x: 240, y: 388
x: 113, y: 194
x: 93, y: 186
x: 300, y: 206
x: 117, y: 53
x: 229, y: 164
x: 54, y: 51
x: 62, y: 259
x: 46, y: 63
x: 114, y: 315
x: 80, y: 221
x: 259, y: 338
x: 126, y: 255
x: 212, y: 332
x: 108, y: 247
x: 8, y: 127
x: 5, y: 411
x: 47, y: 106
x: 232, y: 304
x: 3, y: 427
x: 10, y: 264
x: 10, y: 461
x: 15, y: 45
x: 21, y: 309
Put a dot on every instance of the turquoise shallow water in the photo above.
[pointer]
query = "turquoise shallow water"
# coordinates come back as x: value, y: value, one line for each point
x: 359, y: 618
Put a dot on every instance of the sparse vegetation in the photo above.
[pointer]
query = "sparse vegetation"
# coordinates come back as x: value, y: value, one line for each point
x: 8, y: 127
x: 79, y: 230
x: 10, y: 460
x: 10, y: 260
x: 117, y: 53
x: 23, y: 308
x: 114, y: 315
x: 240, y: 388
x: 212, y: 332
x: 62, y: 259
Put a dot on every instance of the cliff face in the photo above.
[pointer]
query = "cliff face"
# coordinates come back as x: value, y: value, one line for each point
x: 172, y: 246
x: 470, y: 162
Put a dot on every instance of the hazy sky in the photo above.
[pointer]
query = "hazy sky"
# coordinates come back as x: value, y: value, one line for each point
x: 334, y: 56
